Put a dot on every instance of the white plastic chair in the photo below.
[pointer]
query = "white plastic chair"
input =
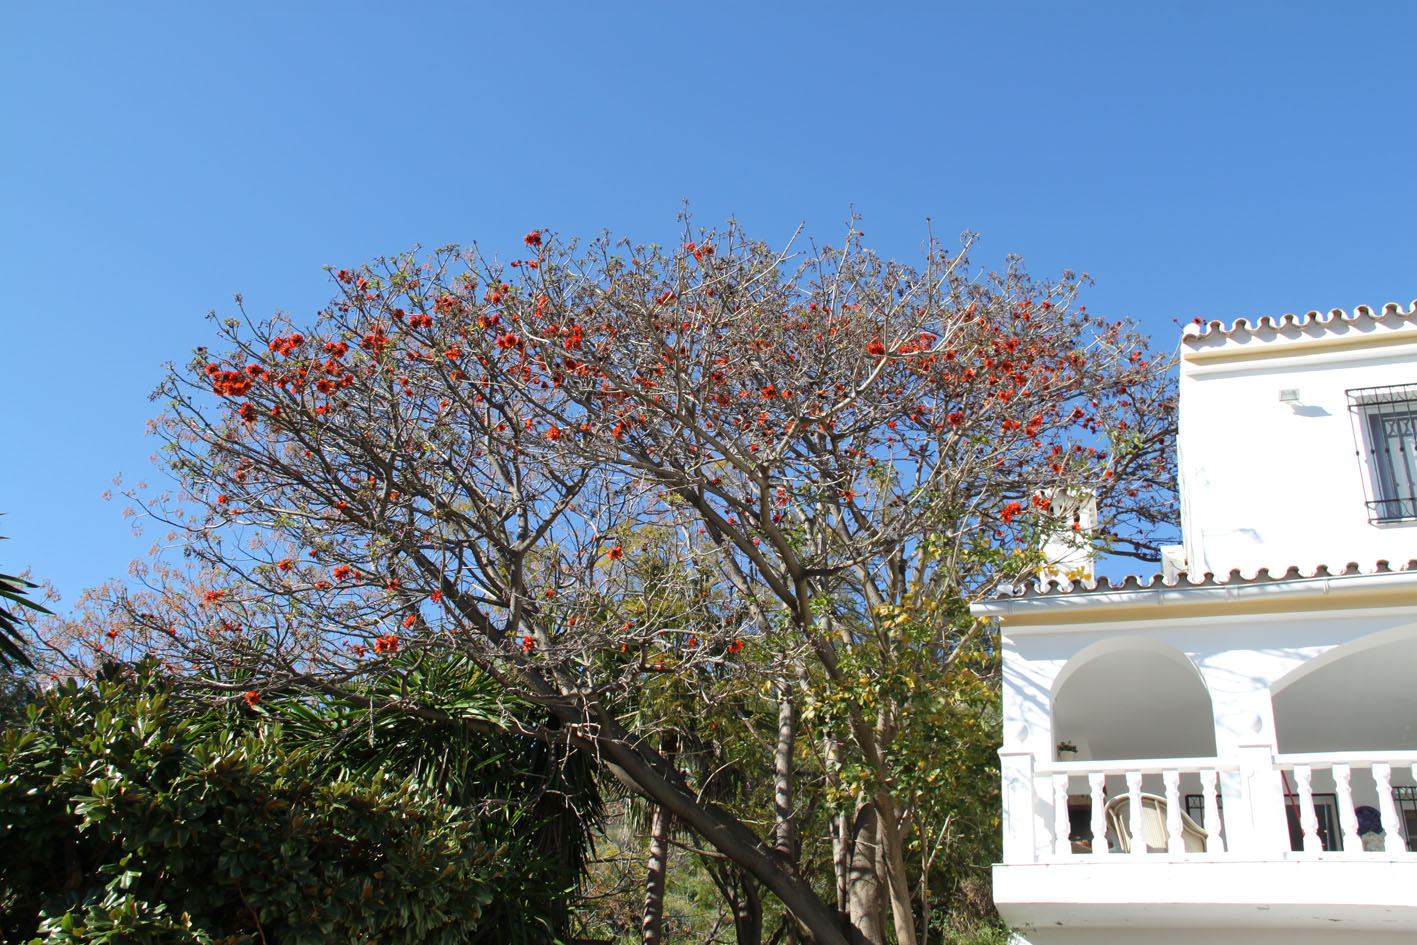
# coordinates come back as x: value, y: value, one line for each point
x: 1153, y: 819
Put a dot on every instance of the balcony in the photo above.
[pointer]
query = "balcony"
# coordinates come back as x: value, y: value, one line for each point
x: 1259, y: 841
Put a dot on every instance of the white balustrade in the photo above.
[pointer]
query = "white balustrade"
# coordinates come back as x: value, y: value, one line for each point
x: 1308, y: 817
x: 1057, y: 783
x: 1392, y: 830
x: 1320, y: 788
x: 1175, y: 842
x: 1215, y: 843
x: 1097, y: 789
x: 1347, y: 814
x: 1138, y: 825
x: 1368, y: 773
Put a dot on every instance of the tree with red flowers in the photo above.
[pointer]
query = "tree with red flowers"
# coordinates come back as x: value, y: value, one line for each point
x: 824, y: 455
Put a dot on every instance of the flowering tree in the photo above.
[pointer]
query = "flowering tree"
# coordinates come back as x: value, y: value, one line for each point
x: 588, y: 467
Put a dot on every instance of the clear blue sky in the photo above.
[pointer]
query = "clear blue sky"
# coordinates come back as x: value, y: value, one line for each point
x: 1212, y: 159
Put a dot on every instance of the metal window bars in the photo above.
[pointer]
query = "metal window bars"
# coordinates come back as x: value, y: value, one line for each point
x: 1385, y: 432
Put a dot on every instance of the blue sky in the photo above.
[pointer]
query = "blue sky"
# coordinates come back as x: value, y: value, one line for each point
x: 1208, y: 159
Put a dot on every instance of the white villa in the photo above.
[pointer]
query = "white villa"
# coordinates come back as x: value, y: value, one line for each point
x: 1227, y: 752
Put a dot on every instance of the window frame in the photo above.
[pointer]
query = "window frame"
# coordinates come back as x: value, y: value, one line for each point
x: 1371, y: 408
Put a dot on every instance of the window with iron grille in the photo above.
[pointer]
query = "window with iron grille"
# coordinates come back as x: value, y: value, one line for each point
x: 1385, y: 432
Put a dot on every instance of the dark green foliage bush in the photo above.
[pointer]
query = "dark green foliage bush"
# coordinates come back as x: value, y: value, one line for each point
x: 536, y: 797
x: 126, y: 819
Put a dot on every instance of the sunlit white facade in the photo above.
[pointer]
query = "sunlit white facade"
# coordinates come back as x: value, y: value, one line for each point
x: 1253, y: 720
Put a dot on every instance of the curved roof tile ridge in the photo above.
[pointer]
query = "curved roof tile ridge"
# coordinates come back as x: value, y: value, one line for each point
x: 1184, y: 580
x: 1200, y: 329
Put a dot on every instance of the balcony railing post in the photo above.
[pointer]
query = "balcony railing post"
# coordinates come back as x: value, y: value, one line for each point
x: 1265, y: 832
x: 1347, y: 813
x: 1308, y: 819
x: 1387, y: 809
x: 1215, y: 843
x: 1138, y: 818
x: 1062, y: 845
x: 1020, y: 806
x: 1175, y: 842
x: 1097, y: 782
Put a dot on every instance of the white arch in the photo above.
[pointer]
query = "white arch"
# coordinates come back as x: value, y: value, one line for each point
x: 1358, y: 696
x: 1133, y: 697
x: 1342, y: 651
x: 1116, y: 644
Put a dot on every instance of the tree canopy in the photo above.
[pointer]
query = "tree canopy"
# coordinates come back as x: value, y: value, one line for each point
x: 592, y: 466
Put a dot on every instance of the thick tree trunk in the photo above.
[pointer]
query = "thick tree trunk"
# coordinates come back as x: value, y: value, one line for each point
x: 863, y: 881
x: 898, y: 885
x: 748, y: 913
x: 644, y: 770
x: 652, y: 923
x: 656, y: 874
x: 784, y: 776
x: 785, y: 838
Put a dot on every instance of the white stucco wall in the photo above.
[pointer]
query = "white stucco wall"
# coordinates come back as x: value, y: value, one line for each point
x: 1268, y: 483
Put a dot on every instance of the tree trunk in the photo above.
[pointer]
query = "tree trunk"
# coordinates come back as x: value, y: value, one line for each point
x: 840, y: 828
x: 656, y: 874
x: 748, y: 913
x: 863, y: 883
x: 898, y: 885
x: 785, y: 839
x: 643, y: 769
x: 784, y: 775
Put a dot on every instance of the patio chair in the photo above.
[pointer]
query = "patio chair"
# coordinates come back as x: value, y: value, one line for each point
x: 1153, y: 818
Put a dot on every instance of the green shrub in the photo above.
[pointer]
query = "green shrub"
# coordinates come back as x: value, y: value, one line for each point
x: 123, y: 819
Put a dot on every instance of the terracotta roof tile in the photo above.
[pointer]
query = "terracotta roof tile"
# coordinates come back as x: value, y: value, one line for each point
x: 1039, y: 589
x: 1215, y: 329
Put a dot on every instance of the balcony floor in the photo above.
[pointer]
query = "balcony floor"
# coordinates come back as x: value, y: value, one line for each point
x: 1157, y: 900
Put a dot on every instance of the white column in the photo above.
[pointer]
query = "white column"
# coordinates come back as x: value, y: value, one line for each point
x: 1016, y: 767
x: 1347, y: 816
x: 1061, y: 824
x: 1214, y: 842
x: 1175, y: 843
x: 1138, y: 823
x: 1262, y: 804
x: 1308, y: 820
x: 1096, y: 782
x: 1392, y: 827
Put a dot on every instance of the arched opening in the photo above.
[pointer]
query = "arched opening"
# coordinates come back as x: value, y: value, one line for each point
x: 1132, y: 697
x: 1361, y: 696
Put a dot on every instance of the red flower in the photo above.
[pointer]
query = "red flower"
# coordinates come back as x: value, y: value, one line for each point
x: 532, y: 239
x: 344, y: 571
x: 410, y: 620
x: 553, y: 434
x: 286, y: 564
x: 615, y: 552
x: 386, y: 644
x: 436, y: 597
x: 252, y: 697
x: 1010, y: 510
x: 528, y: 644
x: 735, y: 646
